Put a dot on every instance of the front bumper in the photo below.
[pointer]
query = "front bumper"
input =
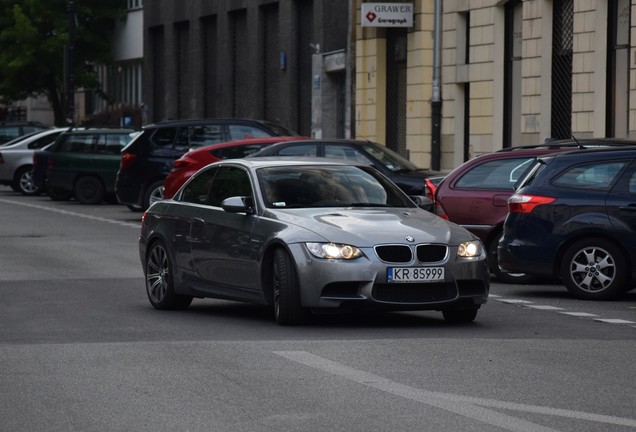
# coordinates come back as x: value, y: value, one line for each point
x: 362, y: 283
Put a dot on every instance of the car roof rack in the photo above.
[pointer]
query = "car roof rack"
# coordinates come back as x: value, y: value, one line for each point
x: 551, y: 143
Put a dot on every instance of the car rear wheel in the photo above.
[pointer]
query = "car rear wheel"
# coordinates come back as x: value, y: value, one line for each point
x: 498, y: 273
x: 594, y: 269
x: 23, y: 182
x: 460, y: 316
x: 159, y: 281
x: 287, y: 307
x: 153, y: 194
x: 89, y: 190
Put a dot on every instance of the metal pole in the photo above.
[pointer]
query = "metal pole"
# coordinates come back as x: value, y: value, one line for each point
x: 70, y: 64
x: 436, y: 101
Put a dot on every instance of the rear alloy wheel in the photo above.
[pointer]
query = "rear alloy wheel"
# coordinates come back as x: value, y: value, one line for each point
x: 287, y: 307
x: 24, y: 182
x: 498, y: 273
x: 89, y: 190
x: 594, y: 269
x: 154, y: 193
x: 159, y: 282
x: 460, y: 316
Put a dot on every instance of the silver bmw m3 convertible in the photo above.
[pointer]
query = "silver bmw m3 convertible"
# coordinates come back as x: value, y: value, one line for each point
x: 307, y: 236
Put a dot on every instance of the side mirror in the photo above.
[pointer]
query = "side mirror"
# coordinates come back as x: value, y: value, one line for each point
x: 423, y: 202
x: 237, y: 204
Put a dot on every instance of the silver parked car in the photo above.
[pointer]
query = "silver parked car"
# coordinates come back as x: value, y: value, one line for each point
x: 16, y: 160
x: 307, y: 236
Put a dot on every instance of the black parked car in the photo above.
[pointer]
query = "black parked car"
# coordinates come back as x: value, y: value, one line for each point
x: 574, y: 216
x: 404, y: 173
x: 148, y: 159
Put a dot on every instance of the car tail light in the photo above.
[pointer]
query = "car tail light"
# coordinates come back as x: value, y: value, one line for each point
x: 49, y: 163
x: 178, y: 164
x: 520, y: 203
x: 127, y: 160
x: 430, y: 189
x: 439, y: 210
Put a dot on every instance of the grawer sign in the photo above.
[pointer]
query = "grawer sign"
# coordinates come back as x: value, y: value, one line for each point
x: 387, y: 15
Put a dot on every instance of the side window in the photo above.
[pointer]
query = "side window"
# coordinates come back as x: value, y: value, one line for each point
x: 598, y: 175
x: 42, y: 142
x: 632, y: 183
x: 495, y: 175
x: 241, y: 132
x: 345, y: 152
x: 78, y: 143
x: 299, y: 150
x: 164, y: 137
x: 196, y: 191
x: 9, y: 132
x: 203, y: 135
x: 229, y: 182
x: 114, y: 143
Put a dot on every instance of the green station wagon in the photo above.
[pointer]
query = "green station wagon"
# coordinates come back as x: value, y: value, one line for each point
x: 84, y: 164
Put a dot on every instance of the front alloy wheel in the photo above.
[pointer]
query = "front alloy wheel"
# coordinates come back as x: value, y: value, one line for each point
x: 594, y: 269
x: 159, y: 283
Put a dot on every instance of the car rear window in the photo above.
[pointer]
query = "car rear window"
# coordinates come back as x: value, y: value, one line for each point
x: 499, y: 174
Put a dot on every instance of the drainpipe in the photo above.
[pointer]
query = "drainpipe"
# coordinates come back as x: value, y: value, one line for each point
x: 436, y: 101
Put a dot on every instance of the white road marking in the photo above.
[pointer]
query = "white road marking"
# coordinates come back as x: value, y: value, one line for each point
x: 614, y: 321
x: 543, y: 307
x: 471, y: 407
x: 579, y: 314
x: 514, y: 301
x: 70, y: 213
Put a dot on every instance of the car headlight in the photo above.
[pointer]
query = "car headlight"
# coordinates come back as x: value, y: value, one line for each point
x: 334, y: 251
x: 469, y: 249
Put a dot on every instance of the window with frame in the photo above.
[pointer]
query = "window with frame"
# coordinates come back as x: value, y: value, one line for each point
x: 341, y: 151
x: 164, y: 137
x: 496, y: 174
x: 299, y: 150
x: 598, y: 175
x: 196, y: 191
x: 241, y: 132
x: 229, y: 182
x: 198, y: 136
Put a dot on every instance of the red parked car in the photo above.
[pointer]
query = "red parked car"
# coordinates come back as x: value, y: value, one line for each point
x: 192, y: 161
x: 475, y: 194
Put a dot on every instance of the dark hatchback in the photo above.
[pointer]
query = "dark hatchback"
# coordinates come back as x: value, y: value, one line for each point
x: 573, y: 216
x: 404, y: 173
x: 475, y: 194
x: 148, y: 159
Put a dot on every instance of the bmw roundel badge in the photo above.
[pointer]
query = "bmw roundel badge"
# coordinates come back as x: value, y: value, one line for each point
x: 410, y: 239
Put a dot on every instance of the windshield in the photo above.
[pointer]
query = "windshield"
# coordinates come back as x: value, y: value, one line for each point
x: 328, y: 186
x: 390, y: 159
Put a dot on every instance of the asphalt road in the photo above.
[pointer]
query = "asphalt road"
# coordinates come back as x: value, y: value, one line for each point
x: 81, y: 349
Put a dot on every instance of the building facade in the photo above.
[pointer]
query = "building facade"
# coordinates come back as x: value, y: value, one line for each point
x: 248, y: 58
x: 510, y: 73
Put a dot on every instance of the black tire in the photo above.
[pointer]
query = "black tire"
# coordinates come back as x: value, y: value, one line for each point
x: 153, y: 193
x: 159, y: 280
x: 89, y: 190
x: 594, y: 269
x: 58, y: 194
x: 23, y: 182
x: 460, y: 316
x: 285, y: 293
x: 498, y: 273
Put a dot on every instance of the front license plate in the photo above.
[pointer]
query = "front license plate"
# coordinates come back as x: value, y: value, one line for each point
x: 415, y: 274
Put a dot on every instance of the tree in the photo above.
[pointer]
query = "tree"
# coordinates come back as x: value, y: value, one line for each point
x: 33, y: 34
